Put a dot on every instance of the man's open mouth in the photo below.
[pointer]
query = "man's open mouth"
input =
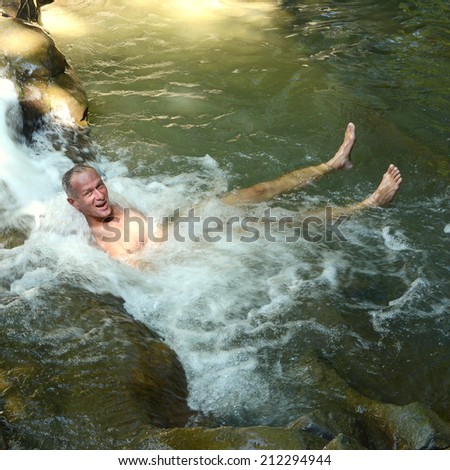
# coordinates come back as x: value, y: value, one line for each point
x: 102, y: 205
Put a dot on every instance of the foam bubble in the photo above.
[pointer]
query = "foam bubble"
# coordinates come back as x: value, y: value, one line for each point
x: 394, y: 239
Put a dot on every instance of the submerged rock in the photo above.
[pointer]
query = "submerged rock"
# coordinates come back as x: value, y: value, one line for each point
x: 231, y: 438
x: 77, y: 372
x: 365, y: 422
x: 343, y: 419
x: 410, y: 426
x: 3, y: 445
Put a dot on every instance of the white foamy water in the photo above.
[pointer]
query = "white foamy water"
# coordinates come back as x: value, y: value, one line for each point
x: 28, y: 181
x: 202, y: 297
x: 228, y: 308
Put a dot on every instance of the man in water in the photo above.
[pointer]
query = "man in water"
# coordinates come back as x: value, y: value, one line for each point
x: 87, y: 192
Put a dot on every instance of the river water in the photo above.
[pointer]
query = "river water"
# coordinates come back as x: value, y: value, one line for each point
x: 189, y: 99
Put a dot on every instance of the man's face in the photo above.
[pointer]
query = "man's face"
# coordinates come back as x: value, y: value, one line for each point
x: 91, y: 195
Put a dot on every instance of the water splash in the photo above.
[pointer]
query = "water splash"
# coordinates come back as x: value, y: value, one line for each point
x: 27, y: 180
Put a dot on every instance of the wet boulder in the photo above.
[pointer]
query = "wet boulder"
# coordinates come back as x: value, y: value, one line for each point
x: 77, y: 372
x: 26, y: 10
x: 44, y: 79
x: 3, y: 445
x: 411, y: 426
x: 363, y: 421
x: 342, y: 442
x: 244, y: 438
x: 15, y: 233
x: 10, y: 237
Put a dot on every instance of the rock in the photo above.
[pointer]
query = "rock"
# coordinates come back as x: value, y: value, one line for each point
x: 367, y: 423
x: 411, y: 426
x: 15, y: 235
x: 231, y: 438
x: 45, y: 80
x: 30, y: 50
x: 311, y: 426
x: 26, y: 10
x: 341, y: 442
x: 3, y: 445
x: 12, y: 237
x: 77, y: 372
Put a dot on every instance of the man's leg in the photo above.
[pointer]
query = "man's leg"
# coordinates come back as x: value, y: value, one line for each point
x: 333, y: 217
x: 296, y: 179
x: 385, y: 192
x: 382, y: 196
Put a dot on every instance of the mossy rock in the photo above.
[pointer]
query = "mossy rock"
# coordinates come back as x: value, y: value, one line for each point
x: 411, y: 426
x: 65, y: 386
x: 342, y: 442
x: 3, y: 444
x: 45, y: 80
x: 15, y: 233
x: 232, y: 438
x: 30, y: 50
x: 12, y: 237
x: 366, y: 422
x: 26, y: 10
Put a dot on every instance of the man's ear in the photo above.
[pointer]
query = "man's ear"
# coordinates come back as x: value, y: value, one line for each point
x: 72, y: 202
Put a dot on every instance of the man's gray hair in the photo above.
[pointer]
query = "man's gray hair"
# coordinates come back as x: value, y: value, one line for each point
x: 67, y: 177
